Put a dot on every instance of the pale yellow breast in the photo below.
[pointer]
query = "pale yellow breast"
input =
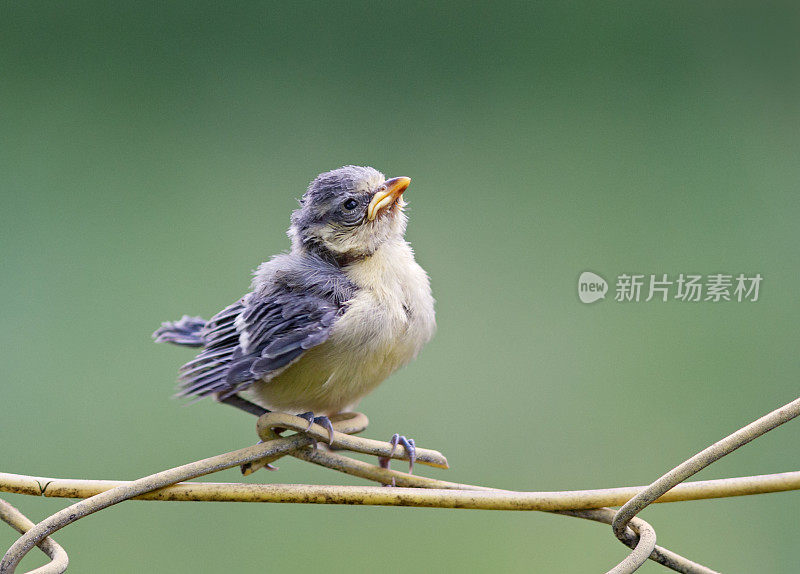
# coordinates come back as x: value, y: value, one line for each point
x: 385, y: 325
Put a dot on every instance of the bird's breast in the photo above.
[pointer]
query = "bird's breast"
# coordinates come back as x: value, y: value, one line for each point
x: 383, y: 326
x: 393, y: 306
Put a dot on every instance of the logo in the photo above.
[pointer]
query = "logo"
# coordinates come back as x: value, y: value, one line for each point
x: 591, y: 287
x: 684, y: 287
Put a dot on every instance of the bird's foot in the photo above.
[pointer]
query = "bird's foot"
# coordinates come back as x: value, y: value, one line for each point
x: 250, y: 467
x: 411, y: 450
x: 322, y: 421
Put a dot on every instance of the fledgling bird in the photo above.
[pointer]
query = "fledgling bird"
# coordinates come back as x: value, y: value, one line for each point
x: 326, y: 323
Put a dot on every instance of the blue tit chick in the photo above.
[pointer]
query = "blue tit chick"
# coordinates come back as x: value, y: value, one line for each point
x: 326, y: 323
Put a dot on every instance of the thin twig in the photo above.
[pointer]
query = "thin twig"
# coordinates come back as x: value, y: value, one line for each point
x: 319, y: 494
x: 428, y: 492
x: 265, y: 451
x: 658, y: 554
x: 694, y: 465
x: 19, y: 522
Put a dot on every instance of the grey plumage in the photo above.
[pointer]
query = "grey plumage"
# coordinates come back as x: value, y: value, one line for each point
x: 336, y: 293
x: 185, y: 331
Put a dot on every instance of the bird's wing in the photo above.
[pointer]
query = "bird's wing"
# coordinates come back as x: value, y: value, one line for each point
x: 257, y: 338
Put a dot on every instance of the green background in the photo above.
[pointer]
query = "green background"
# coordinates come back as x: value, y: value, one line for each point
x: 151, y: 155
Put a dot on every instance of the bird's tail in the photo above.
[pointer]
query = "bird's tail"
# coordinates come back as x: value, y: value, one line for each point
x: 188, y: 331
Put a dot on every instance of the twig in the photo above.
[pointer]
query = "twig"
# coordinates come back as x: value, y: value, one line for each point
x: 659, y: 554
x: 265, y: 451
x: 322, y: 494
x: 694, y: 465
x: 19, y: 522
x: 633, y: 532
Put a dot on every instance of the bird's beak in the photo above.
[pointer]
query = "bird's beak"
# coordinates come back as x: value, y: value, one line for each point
x: 386, y: 196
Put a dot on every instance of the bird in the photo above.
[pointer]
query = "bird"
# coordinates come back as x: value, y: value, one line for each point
x: 326, y: 322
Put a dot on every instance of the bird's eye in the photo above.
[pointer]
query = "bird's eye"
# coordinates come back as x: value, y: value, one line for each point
x: 350, y: 204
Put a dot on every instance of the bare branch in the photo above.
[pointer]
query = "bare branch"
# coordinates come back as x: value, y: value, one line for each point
x: 419, y: 491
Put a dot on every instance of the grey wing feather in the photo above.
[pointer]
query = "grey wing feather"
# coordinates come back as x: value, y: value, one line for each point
x: 186, y: 332
x: 276, y: 328
x: 203, y: 375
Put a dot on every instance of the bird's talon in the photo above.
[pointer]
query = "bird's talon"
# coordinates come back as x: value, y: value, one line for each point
x: 410, y: 447
x: 326, y: 422
x: 309, y: 417
x: 394, y: 441
x: 323, y: 421
x: 247, y: 468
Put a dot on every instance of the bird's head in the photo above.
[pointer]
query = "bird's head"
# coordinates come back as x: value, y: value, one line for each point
x: 348, y: 213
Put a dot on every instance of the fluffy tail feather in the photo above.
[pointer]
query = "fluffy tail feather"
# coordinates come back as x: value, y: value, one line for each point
x: 188, y: 331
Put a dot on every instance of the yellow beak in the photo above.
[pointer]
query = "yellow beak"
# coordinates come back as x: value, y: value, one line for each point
x: 387, y: 195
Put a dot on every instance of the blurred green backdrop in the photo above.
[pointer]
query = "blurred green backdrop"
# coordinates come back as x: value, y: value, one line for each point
x: 151, y: 154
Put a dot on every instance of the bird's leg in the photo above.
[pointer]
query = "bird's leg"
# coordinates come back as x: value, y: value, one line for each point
x: 322, y: 421
x: 243, y: 404
x: 406, y: 443
x: 253, y: 409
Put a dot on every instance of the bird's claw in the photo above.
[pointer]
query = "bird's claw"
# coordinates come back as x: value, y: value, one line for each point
x: 322, y: 421
x: 410, y: 447
x: 250, y: 467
